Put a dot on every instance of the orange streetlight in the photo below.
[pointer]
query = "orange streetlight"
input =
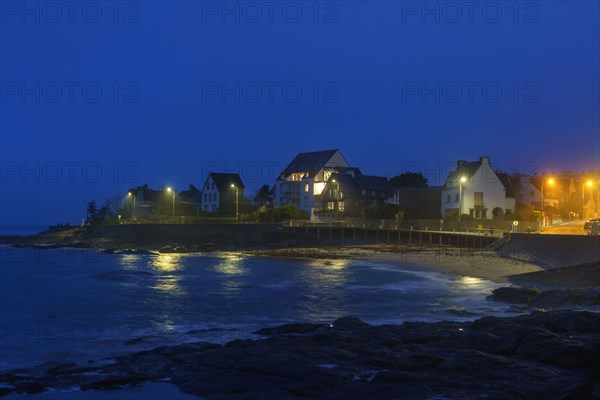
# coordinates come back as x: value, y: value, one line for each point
x: 550, y: 182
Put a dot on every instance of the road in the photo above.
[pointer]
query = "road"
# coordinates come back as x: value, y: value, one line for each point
x: 570, y: 228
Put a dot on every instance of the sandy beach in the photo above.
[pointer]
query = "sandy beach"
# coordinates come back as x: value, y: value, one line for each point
x: 474, y: 263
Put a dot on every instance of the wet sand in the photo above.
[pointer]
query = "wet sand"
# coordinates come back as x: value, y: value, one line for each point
x: 474, y: 263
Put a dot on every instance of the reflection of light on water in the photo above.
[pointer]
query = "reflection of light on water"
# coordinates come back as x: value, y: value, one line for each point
x: 169, y: 283
x: 167, y: 263
x: 472, y: 283
x: 129, y: 260
x: 322, y: 283
x: 329, y: 264
x: 231, y: 264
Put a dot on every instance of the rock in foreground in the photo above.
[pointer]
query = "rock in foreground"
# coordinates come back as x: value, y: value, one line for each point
x: 550, y: 355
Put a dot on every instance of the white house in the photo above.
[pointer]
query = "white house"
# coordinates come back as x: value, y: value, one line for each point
x: 528, y: 191
x: 219, y: 195
x: 305, y: 178
x: 476, y: 189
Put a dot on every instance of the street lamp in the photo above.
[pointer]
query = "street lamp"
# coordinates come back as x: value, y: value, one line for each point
x: 132, y: 196
x: 337, y: 201
x: 590, y: 184
x: 583, y: 185
x: 172, y: 191
x: 460, y: 183
x: 237, y: 202
x: 550, y: 182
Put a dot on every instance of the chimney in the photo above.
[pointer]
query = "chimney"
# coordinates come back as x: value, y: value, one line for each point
x: 484, y: 160
x: 461, y: 163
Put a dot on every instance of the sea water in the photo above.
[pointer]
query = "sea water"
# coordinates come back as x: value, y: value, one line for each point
x: 75, y: 304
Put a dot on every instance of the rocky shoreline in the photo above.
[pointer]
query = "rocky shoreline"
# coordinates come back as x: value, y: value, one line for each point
x: 549, y: 355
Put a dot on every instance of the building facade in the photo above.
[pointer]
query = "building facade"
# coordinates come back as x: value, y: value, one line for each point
x: 474, y: 188
x: 218, y: 194
x: 303, y: 180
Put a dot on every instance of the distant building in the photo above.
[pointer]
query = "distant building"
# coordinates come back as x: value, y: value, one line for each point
x: 349, y: 193
x: 486, y: 194
x: 422, y: 202
x: 304, y: 179
x: 218, y: 195
x: 189, y: 202
x: 148, y: 201
x: 528, y: 192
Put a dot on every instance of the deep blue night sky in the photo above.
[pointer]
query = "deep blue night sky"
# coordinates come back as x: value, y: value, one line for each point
x: 362, y: 69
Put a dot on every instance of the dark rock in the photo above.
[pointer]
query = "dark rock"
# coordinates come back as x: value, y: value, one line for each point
x: 167, y: 249
x: 350, y: 323
x: 209, y: 247
x: 519, y: 295
x: 29, y: 387
x: 546, y: 355
x: 566, y: 297
x: 298, y: 328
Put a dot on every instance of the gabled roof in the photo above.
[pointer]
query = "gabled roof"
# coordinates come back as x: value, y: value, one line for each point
x: 368, y: 182
x: 465, y: 168
x: 345, y: 170
x: 358, y: 183
x: 145, y: 193
x: 310, y: 162
x: 507, y: 183
x: 189, y: 195
x: 224, y: 181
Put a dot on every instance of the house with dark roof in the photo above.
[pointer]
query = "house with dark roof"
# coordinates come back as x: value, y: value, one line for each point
x: 474, y: 188
x: 219, y: 192
x: 301, y: 183
x: 347, y: 194
x: 148, y: 201
x: 189, y: 201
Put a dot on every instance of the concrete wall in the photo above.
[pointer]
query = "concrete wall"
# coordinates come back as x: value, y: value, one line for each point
x: 551, y: 251
x: 225, y: 236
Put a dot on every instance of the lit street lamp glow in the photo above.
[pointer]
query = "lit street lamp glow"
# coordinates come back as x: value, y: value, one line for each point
x: 169, y: 189
x: 460, y: 184
x: 550, y: 182
x: 132, y: 196
x: 237, y: 202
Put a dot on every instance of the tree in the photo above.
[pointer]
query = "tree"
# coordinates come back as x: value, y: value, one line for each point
x: 262, y: 196
x: 113, y: 204
x: 410, y: 179
x: 282, y: 213
x: 92, y: 211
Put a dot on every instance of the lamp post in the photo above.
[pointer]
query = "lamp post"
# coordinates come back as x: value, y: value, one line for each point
x: 583, y: 185
x: 550, y: 182
x: 132, y: 196
x: 337, y: 201
x: 460, y: 183
x: 172, y: 191
x: 237, y: 203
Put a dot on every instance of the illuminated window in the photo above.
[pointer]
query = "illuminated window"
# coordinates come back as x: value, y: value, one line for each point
x: 341, y: 195
x: 306, y: 187
x: 330, y: 205
x: 341, y: 206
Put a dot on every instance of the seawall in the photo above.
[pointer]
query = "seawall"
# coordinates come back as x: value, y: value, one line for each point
x: 225, y: 236
x: 550, y: 251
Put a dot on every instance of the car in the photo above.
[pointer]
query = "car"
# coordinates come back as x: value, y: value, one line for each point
x: 587, y: 226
